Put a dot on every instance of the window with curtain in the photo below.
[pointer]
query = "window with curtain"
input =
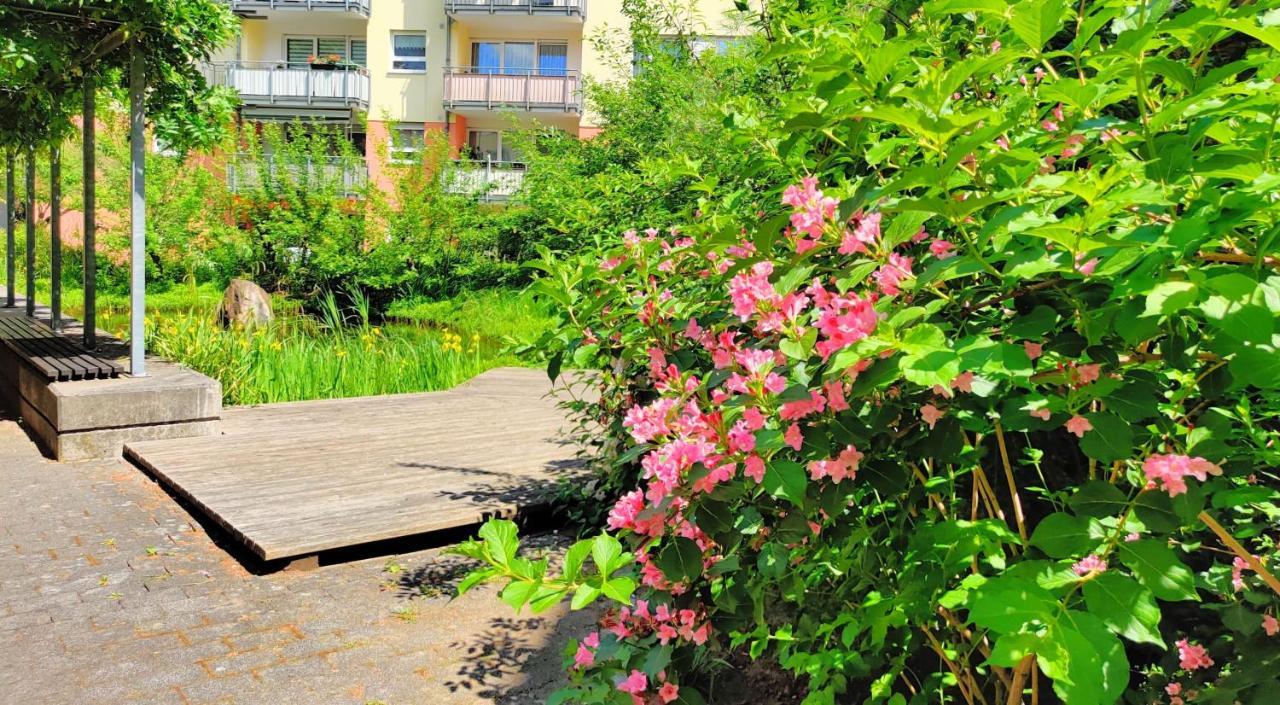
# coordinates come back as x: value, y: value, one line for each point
x: 299, y: 50
x: 408, y: 51
x: 519, y: 58
x: 406, y: 143
x: 360, y: 52
x: 553, y: 59
x: 486, y: 57
x: 332, y: 46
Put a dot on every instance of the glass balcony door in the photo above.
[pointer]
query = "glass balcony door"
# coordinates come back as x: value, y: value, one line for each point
x: 519, y: 58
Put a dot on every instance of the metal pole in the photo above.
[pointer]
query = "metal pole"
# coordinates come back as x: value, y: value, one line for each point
x: 138, y: 214
x: 31, y: 231
x: 9, y: 255
x: 55, y: 236
x: 90, y: 218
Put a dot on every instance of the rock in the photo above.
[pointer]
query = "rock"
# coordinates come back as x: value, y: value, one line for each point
x: 244, y: 303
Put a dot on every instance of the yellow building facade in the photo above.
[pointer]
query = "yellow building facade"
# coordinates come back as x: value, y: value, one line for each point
x: 391, y: 71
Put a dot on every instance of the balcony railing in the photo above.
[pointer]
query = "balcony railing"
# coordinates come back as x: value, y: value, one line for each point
x: 346, y: 175
x: 470, y: 87
x: 358, y: 6
x: 529, y: 7
x: 487, y: 180
x: 277, y: 83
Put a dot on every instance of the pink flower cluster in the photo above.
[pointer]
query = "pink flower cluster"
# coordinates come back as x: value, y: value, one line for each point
x: 842, y: 320
x: 1169, y: 472
x: 842, y: 466
x: 1192, y: 656
x: 1090, y: 564
x: 812, y: 208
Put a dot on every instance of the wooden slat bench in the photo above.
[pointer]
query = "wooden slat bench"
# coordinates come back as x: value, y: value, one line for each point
x: 54, y: 356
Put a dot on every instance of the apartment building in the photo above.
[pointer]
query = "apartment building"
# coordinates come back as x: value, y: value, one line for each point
x: 390, y: 71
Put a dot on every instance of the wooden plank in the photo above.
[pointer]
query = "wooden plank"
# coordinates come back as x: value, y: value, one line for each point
x: 55, y: 356
x: 301, y: 478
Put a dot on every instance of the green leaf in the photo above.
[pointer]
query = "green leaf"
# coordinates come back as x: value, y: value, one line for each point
x: 607, y: 553
x: 680, y: 560
x: 1125, y: 606
x: 1004, y: 604
x: 1155, y: 509
x: 1258, y: 366
x: 1036, y: 21
x: 584, y: 596
x: 518, y: 593
x: 1113, y: 664
x: 1110, y: 440
x: 1097, y: 498
x: 620, y: 589
x: 773, y: 560
x: 500, y: 540
x: 574, y: 557
x: 1062, y: 535
x: 785, y: 478
x: 1171, y: 297
x: 1159, y: 569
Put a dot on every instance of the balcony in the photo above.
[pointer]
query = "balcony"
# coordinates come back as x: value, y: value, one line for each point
x: 471, y: 89
x: 487, y: 180
x: 266, y: 83
x: 345, y: 175
x: 252, y: 8
x: 576, y: 9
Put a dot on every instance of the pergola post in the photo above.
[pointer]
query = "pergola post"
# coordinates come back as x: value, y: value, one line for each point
x: 10, y: 299
x: 31, y: 231
x: 138, y: 213
x: 90, y: 218
x: 55, y: 236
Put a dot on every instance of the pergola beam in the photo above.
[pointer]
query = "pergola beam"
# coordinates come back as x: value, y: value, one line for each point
x: 90, y: 215
x: 55, y: 236
x: 31, y: 231
x: 10, y: 299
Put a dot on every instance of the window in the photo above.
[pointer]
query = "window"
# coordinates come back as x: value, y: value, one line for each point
x: 408, y: 51
x: 406, y: 144
x: 489, y: 146
x: 300, y: 50
x: 519, y: 58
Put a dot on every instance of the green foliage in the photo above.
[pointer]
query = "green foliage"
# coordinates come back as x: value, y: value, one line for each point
x: 1026, y: 420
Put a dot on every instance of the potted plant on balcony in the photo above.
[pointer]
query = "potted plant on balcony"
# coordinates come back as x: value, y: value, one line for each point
x: 324, y: 63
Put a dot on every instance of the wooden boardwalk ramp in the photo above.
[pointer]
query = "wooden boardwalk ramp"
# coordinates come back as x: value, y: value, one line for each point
x: 297, y: 479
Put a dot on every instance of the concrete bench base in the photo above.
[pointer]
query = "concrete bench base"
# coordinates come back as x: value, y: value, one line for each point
x: 88, y: 419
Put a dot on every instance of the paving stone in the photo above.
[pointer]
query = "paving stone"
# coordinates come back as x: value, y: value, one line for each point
x: 163, y: 625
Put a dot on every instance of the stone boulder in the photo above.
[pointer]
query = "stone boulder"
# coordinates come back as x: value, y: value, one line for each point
x: 244, y: 303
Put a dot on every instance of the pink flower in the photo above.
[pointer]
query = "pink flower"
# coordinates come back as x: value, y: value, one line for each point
x: 1057, y: 113
x: 835, y: 396
x: 1079, y: 425
x: 812, y: 208
x: 611, y: 263
x: 753, y: 467
x: 866, y: 231
x: 920, y: 236
x: 1049, y: 126
x: 592, y: 640
x: 942, y: 249
x: 1090, y: 564
x: 793, y: 437
x: 1173, y: 689
x: 844, y: 465
x: 584, y: 658
x: 1109, y: 134
x: 1088, y: 373
x: 1034, y: 350
x: 636, y: 683
x: 930, y: 414
x: 995, y: 46
x: 1088, y: 267
x: 1270, y: 625
x: 1170, y: 472
x: 748, y: 291
x: 1042, y: 413
x: 843, y: 321
x: 963, y: 382
x: 892, y: 273
x: 668, y: 692
x: 1003, y: 142
x: 1238, y: 566
x: 1192, y: 656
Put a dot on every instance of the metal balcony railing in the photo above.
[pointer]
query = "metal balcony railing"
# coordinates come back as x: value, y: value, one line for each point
x: 488, y: 180
x: 529, y: 89
x: 278, y: 83
x: 530, y: 7
x: 347, y: 175
x: 360, y: 7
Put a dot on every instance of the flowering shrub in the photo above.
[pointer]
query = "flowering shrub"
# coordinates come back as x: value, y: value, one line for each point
x: 983, y: 406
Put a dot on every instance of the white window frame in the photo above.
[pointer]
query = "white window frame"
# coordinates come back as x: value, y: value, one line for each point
x: 426, y: 46
x: 398, y: 151
x: 500, y: 134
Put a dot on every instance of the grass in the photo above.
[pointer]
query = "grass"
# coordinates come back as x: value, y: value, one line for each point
x: 423, y: 346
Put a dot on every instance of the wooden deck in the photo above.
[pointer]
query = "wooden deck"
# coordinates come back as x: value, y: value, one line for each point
x: 301, y: 478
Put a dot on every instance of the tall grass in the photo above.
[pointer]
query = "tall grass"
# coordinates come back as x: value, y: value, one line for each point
x: 500, y: 314
x: 300, y: 358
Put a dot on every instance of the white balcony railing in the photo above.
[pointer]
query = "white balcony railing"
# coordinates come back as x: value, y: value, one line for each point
x: 487, y: 180
x: 346, y: 175
x: 530, y: 7
x: 357, y: 6
x: 534, y: 90
x: 276, y: 83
